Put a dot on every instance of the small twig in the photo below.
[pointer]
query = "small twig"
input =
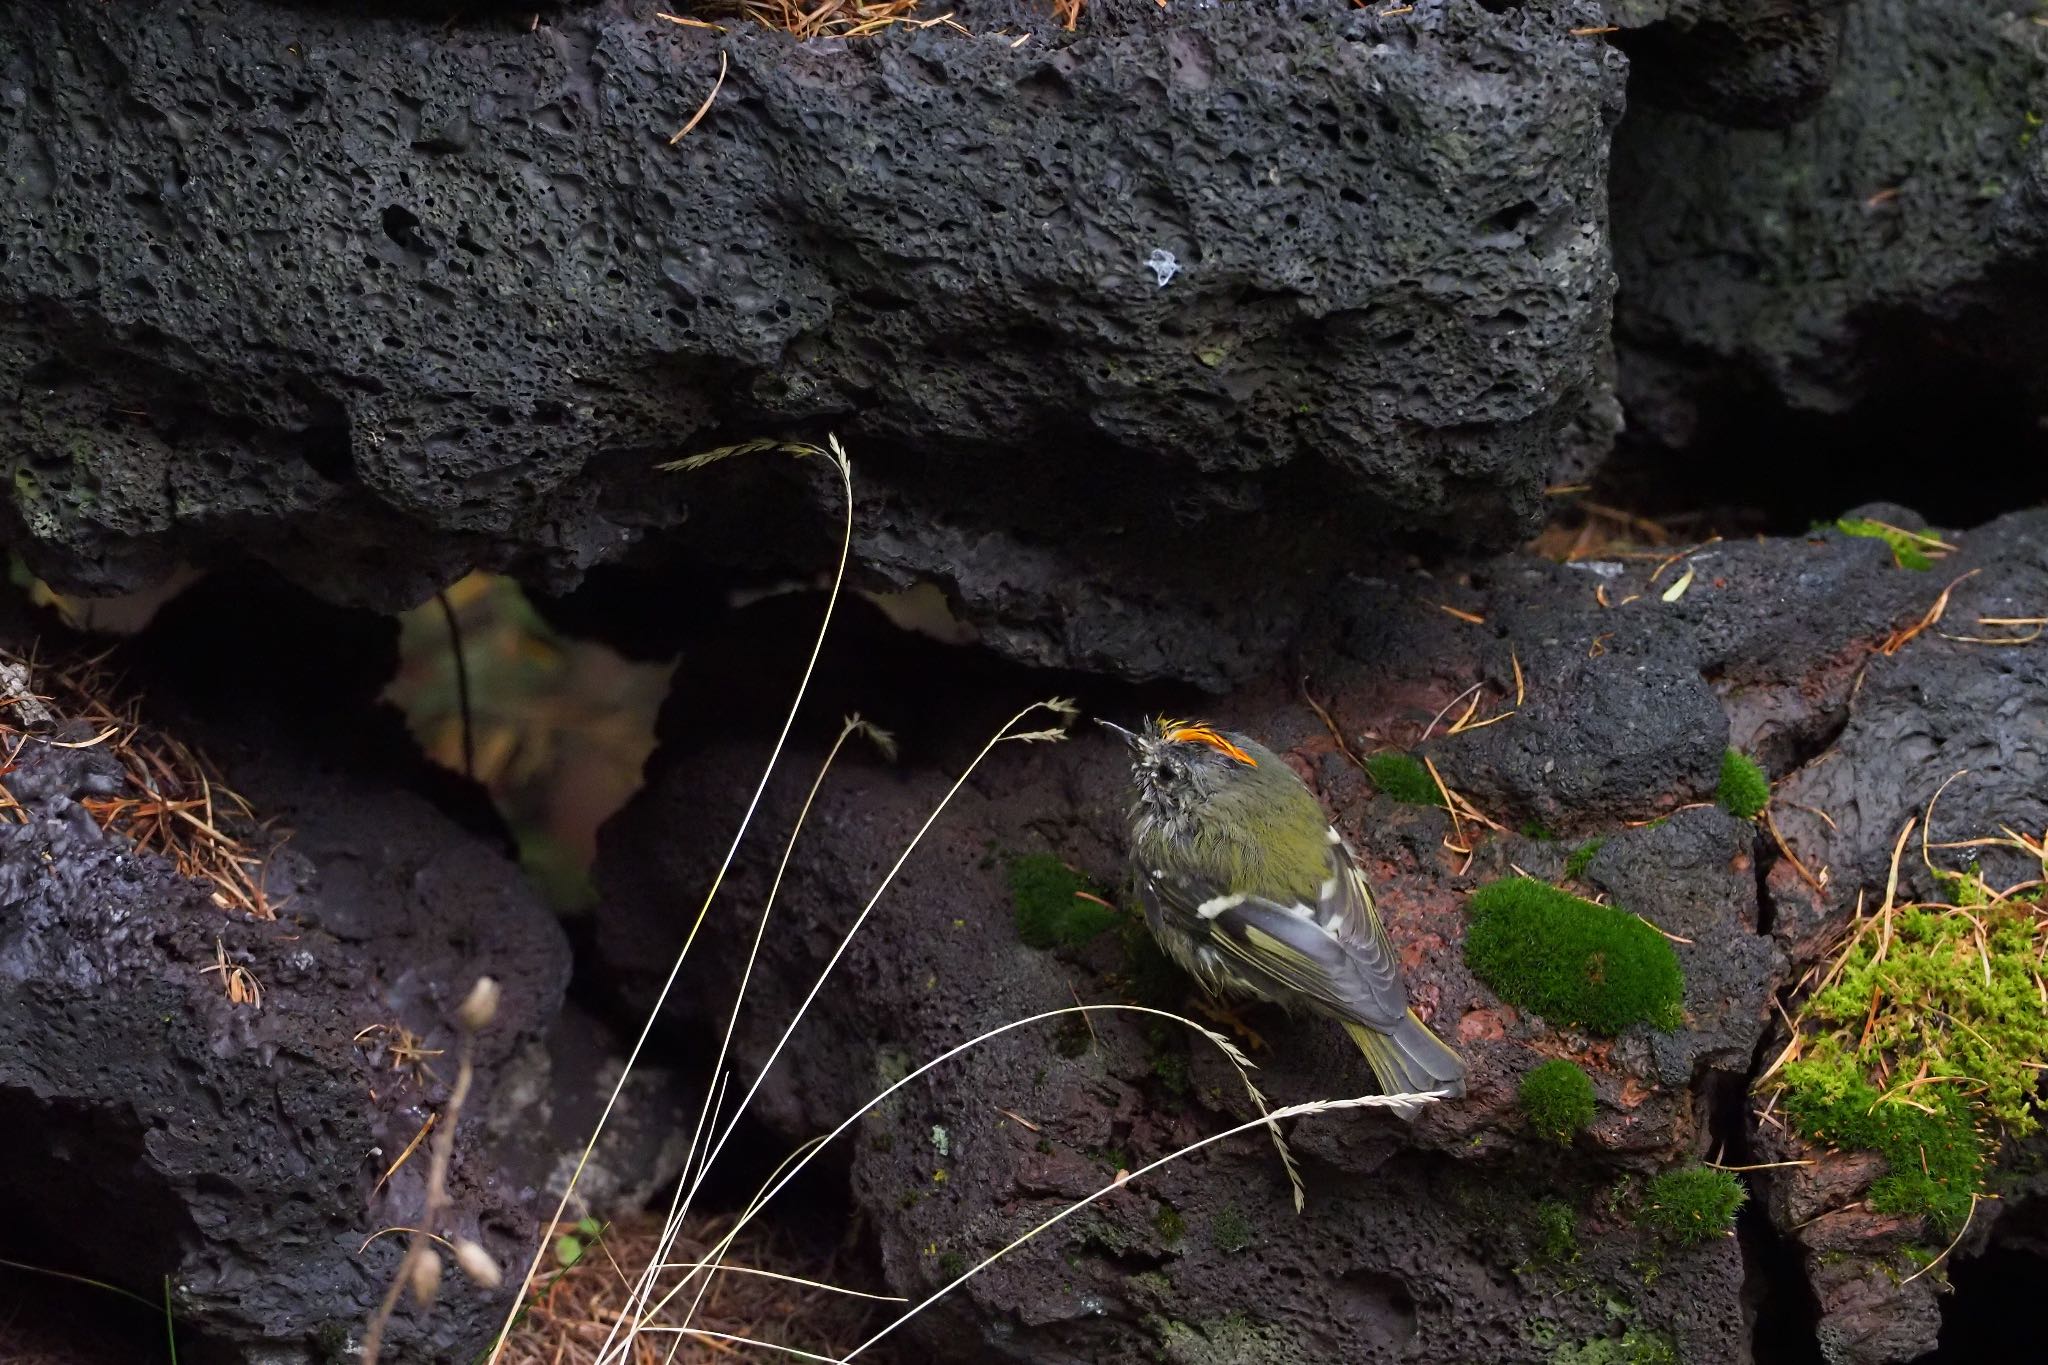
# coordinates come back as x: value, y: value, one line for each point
x: 420, y: 1268
x: 461, y: 683
x: 705, y: 107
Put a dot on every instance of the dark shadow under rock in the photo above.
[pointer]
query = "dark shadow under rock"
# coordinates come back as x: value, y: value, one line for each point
x: 153, y: 1126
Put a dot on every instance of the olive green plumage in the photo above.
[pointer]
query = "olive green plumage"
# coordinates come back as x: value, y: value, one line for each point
x: 1254, y: 893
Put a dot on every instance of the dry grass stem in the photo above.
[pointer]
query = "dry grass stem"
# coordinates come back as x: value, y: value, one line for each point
x: 836, y: 455
x: 420, y: 1268
x: 1899, y: 639
x: 568, y: 1313
x: 705, y: 107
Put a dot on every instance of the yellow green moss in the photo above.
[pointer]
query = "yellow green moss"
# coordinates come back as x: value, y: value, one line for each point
x: 1744, y: 790
x: 1910, y: 550
x: 1053, y: 903
x: 1693, y: 1203
x: 1558, y: 1098
x: 1634, y: 1347
x: 1582, y: 858
x: 1571, y: 961
x: 1925, y: 1040
x: 1403, y: 778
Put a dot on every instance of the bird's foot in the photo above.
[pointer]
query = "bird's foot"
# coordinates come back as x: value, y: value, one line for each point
x: 1230, y: 1019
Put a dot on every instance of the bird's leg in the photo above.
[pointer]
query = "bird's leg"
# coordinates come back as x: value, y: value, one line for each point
x: 1232, y: 1020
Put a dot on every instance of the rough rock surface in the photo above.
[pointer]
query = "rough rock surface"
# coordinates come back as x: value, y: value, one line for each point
x: 1418, y: 1240
x: 1947, y: 717
x: 1738, y: 62
x: 285, y: 266
x: 240, y: 1149
x: 1901, y: 226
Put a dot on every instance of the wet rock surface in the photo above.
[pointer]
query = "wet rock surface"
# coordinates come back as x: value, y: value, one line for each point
x: 151, y: 1123
x: 1422, y: 1237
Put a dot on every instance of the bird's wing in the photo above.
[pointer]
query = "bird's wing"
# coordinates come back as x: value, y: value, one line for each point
x: 1332, y: 955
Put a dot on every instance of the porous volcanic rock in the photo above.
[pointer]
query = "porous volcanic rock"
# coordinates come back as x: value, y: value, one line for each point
x: 151, y: 1126
x: 1087, y: 306
x: 1899, y: 228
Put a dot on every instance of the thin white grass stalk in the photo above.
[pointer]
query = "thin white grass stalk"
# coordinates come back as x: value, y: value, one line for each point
x: 724, y: 1269
x: 778, y: 1182
x: 802, y: 1152
x: 1058, y: 706
x: 837, y: 455
x: 1284, y: 1112
x: 707, y: 1118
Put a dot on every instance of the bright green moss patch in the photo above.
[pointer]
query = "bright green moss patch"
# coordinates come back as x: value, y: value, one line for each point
x: 1055, y: 905
x: 1582, y: 858
x: 1744, y: 790
x: 1558, y: 1098
x: 1572, y: 961
x: 1634, y: 1347
x: 1910, y: 549
x: 1956, y: 989
x: 1922, y: 1042
x: 1403, y: 778
x: 1693, y: 1203
x: 1556, y: 1229
x: 1830, y: 1105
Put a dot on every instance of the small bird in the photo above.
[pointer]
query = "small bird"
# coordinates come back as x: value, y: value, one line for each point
x: 1249, y: 889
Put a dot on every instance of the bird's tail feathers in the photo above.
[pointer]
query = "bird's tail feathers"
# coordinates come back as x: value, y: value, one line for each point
x: 1410, y: 1060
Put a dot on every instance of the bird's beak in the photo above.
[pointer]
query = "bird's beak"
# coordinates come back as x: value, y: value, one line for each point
x: 1129, y: 737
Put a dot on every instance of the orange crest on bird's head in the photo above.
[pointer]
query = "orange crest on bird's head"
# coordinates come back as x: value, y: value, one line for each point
x: 1196, y: 732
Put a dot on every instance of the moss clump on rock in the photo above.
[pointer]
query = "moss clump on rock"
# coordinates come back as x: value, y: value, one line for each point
x: 1403, y: 778
x: 1056, y: 907
x: 1582, y: 858
x: 1572, y: 961
x: 1910, y: 549
x: 1634, y: 1347
x: 1957, y: 1000
x: 1935, y: 1160
x: 1558, y: 1098
x: 1744, y: 790
x: 1230, y: 1230
x: 1693, y: 1203
x: 1556, y: 1229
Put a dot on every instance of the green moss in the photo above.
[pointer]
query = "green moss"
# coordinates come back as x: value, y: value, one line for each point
x: 1558, y: 1098
x: 1537, y: 832
x: 1909, y: 550
x: 1572, y: 961
x: 1830, y: 1104
x: 1168, y: 1223
x: 952, y: 1265
x: 1966, y: 1004
x: 1582, y: 858
x: 1172, y: 1070
x: 1053, y: 909
x: 1403, y: 778
x: 1744, y: 790
x: 1957, y: 1001
x: 1556, y: 1229
x: 1230, y: 1230
x: 1693, y: 1203
x: 1234, y: 1340
x: 1634, y: 1347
